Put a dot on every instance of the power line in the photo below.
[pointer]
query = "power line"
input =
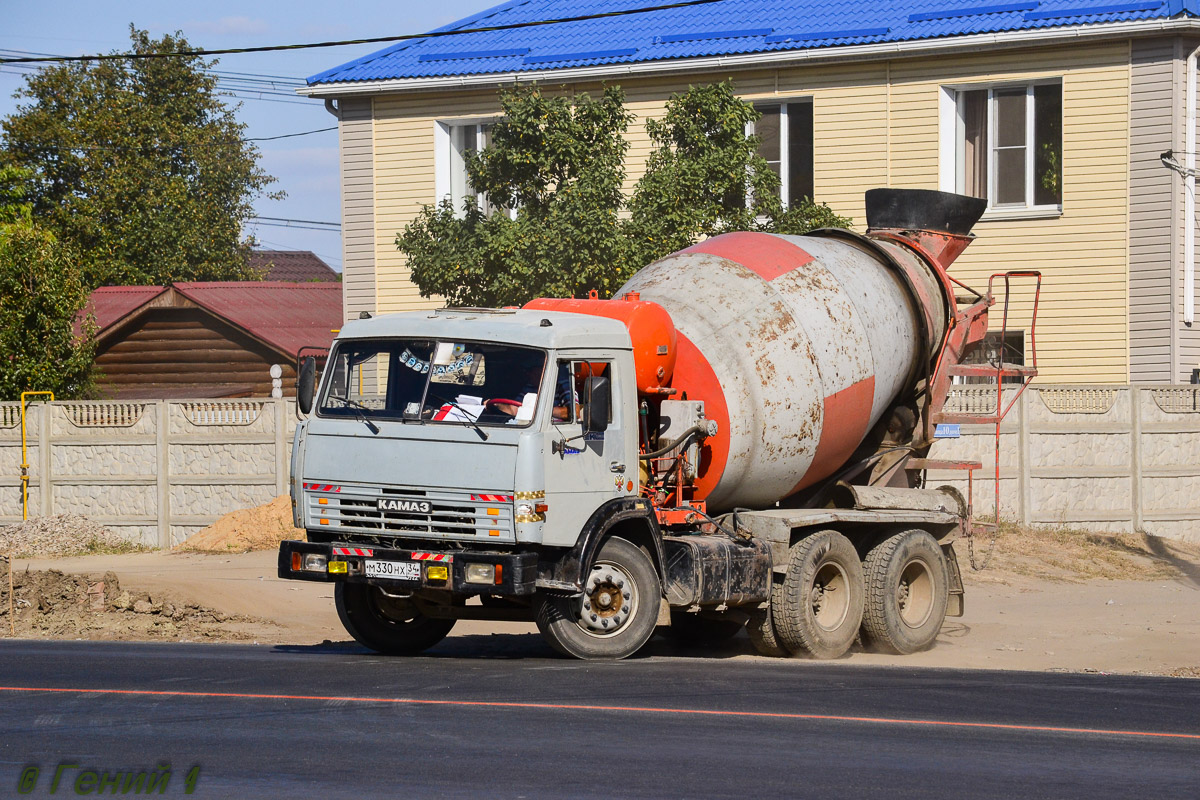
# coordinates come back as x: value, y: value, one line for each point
x: 296, y: 227
x: 289, y: 135
x: 306, y: 224
x: 374, y: 40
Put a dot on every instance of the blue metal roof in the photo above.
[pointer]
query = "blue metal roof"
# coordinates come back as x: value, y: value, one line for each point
x: 728, y: 27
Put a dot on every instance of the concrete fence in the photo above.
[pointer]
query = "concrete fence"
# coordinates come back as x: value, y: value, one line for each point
x: 1116, y: 458
x: 153, y: 471
x: 1111, y: 458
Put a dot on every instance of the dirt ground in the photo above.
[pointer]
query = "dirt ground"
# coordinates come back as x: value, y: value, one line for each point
x: 1049, y: 600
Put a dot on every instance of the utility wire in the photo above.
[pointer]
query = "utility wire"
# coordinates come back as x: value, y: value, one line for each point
x: 285, y: 221
x: 289, y: 135
x: 374, y: 40
x: 294, y: 226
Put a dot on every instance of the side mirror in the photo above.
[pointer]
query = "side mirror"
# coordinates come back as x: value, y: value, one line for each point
x: 597, y: 406
x: 306, y: 384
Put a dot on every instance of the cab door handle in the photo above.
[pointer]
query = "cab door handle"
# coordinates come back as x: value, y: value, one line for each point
x: 616, y: 466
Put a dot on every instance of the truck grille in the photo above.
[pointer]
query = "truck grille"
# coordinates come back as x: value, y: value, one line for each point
x: 452, y: 515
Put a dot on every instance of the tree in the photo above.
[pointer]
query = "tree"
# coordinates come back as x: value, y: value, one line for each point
x: 560, y: 163
x: 137, y: 165
x: 43, y: 294
x: 13, y: 205
x: 705, y: 177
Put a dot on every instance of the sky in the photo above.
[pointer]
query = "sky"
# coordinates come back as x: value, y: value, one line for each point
x: 306, y: 166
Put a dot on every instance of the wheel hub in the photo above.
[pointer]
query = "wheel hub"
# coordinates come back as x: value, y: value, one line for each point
x: 607, y: 601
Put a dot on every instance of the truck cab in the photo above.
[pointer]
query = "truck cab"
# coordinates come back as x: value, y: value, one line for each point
x: 462, y: 452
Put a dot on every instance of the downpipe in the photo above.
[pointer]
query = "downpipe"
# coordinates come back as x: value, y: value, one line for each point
x: 1189, y: 195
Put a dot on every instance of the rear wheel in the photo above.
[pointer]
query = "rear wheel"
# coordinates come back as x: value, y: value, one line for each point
x: 907, y: 592
x: 387, y: 625
x: 822, y: 597
x: 617, y: 611
x: 695, y: 629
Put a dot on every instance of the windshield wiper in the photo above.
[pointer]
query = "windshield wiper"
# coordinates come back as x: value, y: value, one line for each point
x: 358, y: 409
x: 468, y: 421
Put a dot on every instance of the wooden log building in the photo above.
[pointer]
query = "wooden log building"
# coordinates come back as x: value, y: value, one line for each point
x: 209, y: 339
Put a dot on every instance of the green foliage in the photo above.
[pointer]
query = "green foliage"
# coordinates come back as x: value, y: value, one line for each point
x: 14, y: 207
x: 698, y: 176
x: 560, y: 163
x: 43, y: 291
x: 138, y: 165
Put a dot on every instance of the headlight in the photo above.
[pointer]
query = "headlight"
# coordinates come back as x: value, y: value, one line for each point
x: 481, y: 573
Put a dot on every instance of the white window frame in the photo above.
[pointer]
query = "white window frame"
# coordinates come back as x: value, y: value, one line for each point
x: 443, y: 166
x: 952, y: 146
x: 785, y: 177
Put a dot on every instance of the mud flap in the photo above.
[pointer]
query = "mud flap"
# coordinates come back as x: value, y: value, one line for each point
x: 954, y: 602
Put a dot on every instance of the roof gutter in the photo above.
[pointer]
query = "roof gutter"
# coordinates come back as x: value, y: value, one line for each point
x: 864, y: 52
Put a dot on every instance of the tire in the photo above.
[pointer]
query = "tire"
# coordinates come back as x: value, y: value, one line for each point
x: 386, y: 625
x: 822, y: 597
x: 762, y: 629
x: 621, y: 589
x: 697, y: 630
x: 907, y: 586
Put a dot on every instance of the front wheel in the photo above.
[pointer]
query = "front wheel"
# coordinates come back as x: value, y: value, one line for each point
x: 616, y: 613
x: 387, y: 625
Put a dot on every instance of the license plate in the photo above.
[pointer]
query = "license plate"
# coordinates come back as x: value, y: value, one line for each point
x: 396, y: 570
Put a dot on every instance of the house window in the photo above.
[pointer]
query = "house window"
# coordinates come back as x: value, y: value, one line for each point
x: 1008, y: 142
x: 785, y: 133
x: 995, y: 350
x: 454, y: 141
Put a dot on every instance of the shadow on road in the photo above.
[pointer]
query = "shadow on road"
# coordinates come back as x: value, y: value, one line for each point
x: 521, y: 646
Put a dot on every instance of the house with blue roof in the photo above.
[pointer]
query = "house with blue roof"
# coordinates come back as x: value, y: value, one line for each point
x: 1059, y: 112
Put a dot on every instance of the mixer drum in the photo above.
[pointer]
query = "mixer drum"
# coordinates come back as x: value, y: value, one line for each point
x: 797, y: 345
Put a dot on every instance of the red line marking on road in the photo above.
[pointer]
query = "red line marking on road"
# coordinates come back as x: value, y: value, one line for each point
x: 633, y: 709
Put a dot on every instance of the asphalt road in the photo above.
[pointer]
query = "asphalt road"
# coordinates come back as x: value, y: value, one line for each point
x: 337, y: 721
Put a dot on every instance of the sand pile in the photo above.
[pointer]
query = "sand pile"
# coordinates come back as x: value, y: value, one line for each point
x: 259, y: 528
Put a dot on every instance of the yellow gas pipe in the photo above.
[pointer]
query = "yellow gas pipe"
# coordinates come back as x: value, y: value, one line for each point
x: 25, y: 454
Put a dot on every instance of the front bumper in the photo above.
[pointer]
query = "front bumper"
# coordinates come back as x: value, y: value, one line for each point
x: 518, y: 571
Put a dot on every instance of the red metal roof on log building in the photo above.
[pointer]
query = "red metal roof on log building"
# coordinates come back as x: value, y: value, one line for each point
x: 111, y: 303
x: 287, y: 316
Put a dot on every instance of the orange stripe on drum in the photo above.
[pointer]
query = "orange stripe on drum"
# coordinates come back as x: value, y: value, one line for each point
x: 767, y: 256
x: 694, y: 377
x: 843, y: 426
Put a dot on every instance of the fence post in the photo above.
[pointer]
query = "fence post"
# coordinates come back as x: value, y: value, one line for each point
x: 281, y: 453
x: 45, y: 426
x: 1135, y: 457
x: 163, y: 410
x: 1024, y: 471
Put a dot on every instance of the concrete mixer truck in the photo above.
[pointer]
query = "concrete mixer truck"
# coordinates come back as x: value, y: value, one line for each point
x: 737, y: 440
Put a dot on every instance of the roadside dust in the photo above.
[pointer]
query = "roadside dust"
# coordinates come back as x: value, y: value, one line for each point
x: 1062, y: 553
x: 247, y: 530
x: 49, y: 604
x: 1052, y: 599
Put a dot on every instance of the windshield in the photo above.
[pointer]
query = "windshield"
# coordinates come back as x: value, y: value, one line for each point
x: 433, y: 381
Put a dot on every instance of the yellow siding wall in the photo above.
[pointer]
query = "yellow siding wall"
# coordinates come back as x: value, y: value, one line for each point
x: 877, y: 124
